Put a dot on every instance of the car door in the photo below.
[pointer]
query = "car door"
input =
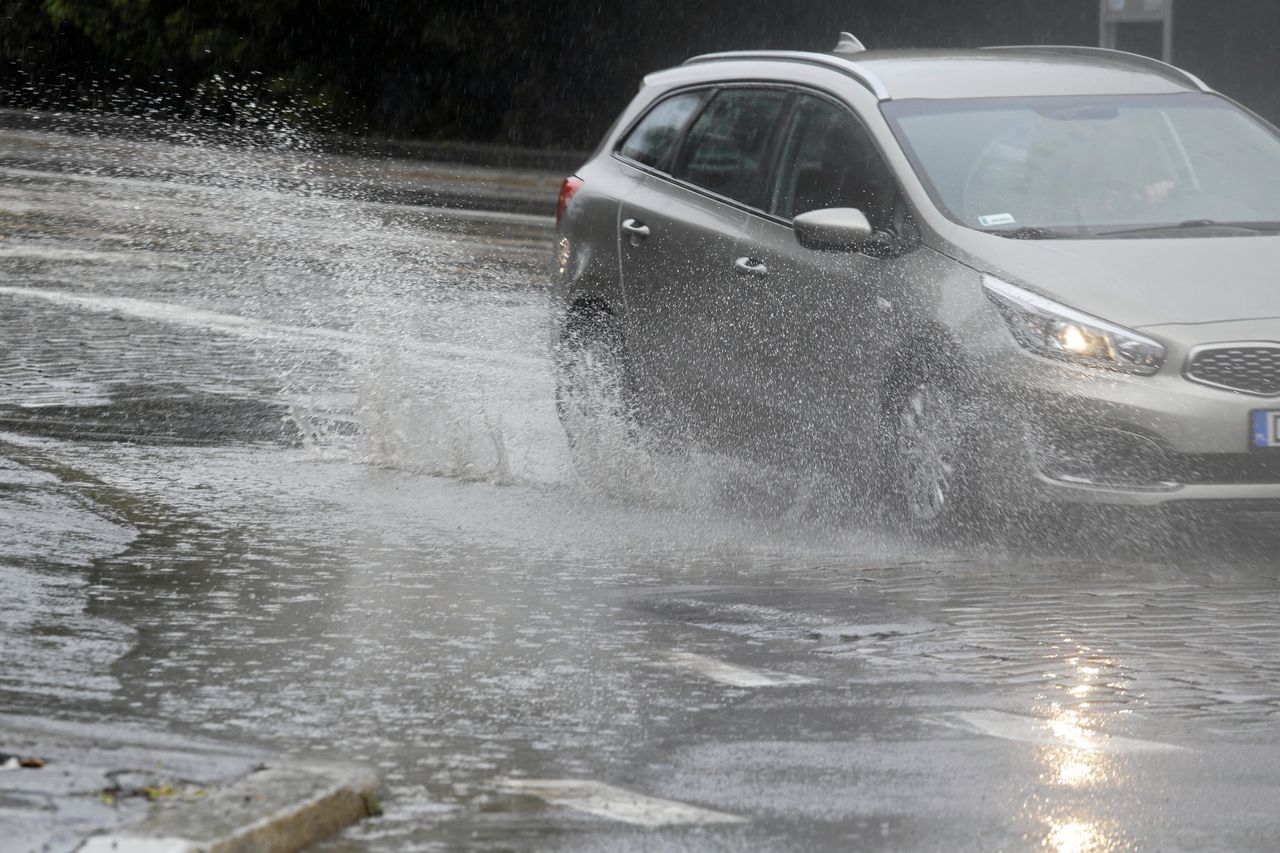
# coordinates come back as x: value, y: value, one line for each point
x: 678, y: 234
x: 818, y: 327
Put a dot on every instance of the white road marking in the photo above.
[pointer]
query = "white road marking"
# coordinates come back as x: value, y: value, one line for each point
x: 1064, y: 732
x: 499, y: 217
x: 264, y: 330
x: 734, y: 676
x: 129, y: 257
x: 606, y: 801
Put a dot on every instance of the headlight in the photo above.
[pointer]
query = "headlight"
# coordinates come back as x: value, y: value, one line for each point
x: 1049, y: 329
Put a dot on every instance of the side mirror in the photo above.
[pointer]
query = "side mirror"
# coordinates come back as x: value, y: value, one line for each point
x: 832, y: 229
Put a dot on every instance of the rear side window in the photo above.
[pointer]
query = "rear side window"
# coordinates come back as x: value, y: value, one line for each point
x: 726, y: 148
x: 651, y: 139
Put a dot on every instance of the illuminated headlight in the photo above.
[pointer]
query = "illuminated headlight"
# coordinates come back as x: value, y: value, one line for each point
x: 1056, y: 331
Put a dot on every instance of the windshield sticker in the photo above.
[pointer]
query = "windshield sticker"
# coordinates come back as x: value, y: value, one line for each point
x: 996, y: 219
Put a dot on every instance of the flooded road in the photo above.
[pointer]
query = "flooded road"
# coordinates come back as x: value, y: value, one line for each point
x: 282, y: 467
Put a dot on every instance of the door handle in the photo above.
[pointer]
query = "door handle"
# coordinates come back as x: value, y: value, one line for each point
x: 636, y: 230
x: 750, y: 266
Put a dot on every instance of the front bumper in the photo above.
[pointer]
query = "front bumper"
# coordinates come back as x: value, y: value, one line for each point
x: 1260, y: 496
x: 1066, y: 434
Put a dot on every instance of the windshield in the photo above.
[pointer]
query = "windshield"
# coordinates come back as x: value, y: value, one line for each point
x: 1089, y: 166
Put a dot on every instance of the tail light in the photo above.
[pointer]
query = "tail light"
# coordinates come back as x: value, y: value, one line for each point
x: 568, y: 189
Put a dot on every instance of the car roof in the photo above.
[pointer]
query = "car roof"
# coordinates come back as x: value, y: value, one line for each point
x: 988, y: 72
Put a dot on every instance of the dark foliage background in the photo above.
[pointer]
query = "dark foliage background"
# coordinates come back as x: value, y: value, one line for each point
x: 542, y: 73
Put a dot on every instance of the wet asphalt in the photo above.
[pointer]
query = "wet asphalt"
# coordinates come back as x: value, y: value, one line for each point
x: 280, y: 469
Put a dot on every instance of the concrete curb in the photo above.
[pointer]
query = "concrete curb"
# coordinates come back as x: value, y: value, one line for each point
x: 277, y: 809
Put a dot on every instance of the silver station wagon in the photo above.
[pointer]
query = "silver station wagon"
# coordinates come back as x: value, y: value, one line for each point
x: 950, y: 278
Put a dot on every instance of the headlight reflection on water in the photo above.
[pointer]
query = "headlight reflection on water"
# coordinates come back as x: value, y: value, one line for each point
x: 1077, y: 836
x: 1078, y: 761
x: 1079, y: 764
x: 1069, y: 727
x: 1076, y: 768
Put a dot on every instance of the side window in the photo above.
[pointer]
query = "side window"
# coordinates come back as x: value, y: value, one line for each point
x: 827, y: 159
x: 726, y: 147
x: 651, y: 139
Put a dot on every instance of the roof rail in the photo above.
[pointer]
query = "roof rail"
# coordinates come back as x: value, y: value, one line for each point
x: 1137, y: 60
x: 868, y: 80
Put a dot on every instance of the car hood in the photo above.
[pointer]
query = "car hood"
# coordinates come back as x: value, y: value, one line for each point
x: 1140, y: 282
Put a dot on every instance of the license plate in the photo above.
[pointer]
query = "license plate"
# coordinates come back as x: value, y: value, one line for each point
x: 1266, y: 428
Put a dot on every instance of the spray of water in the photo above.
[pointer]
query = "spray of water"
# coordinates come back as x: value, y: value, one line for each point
x: 387, y: 335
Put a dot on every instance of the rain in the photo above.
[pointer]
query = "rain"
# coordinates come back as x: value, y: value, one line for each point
x: 476, y: 426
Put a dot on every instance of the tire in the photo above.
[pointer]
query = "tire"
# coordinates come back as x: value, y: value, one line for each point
x: 594, y: 396
x: 925, y: 452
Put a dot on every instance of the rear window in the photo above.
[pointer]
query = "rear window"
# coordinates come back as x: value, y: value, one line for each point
x: 651, y: 139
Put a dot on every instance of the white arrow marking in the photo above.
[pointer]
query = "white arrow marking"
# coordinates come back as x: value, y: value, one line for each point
x: 734, y: 676
x: 249, y: 327
x: 606, y: 801
x: 1064, y: 733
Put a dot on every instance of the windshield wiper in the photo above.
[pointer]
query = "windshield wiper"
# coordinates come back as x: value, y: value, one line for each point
x: 1193, y: 225
x: 1031, y: 232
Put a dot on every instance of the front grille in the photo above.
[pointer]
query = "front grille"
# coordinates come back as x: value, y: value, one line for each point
x: 1250, y: 368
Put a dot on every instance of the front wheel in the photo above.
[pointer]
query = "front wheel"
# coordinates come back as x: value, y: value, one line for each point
x: 924, y: 453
